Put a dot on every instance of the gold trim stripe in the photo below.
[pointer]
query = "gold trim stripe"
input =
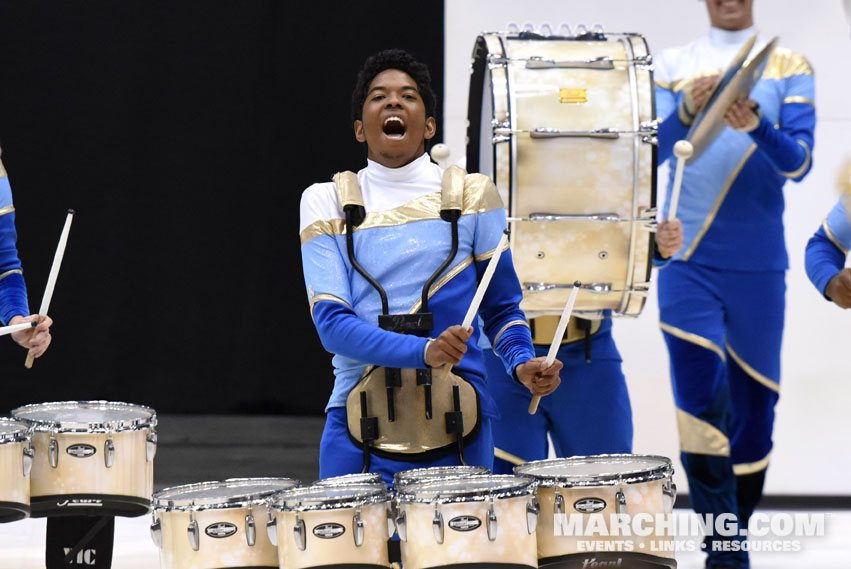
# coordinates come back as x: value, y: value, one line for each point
x: 784, y: 63
x: 711, y: 217
x: 12, y: 272
x: 804, y: 166
x: 507, y: 456
x: 832, y: 237
x: 769, y: 383
x: 330, y: 297
x: 699, y: 437
x: 491, y: 253
x: 509, y: 325
x: 694, y: 339
x: 799, y: 99
x: 751, y: 467
x: 453, y: 272
x: 8, y: 209
x: 322, y: 227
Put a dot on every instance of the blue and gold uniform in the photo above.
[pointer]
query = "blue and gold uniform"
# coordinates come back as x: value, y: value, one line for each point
x: 828, y: 248
x: 400, y: 243
x: 721, y: 298
x: 13, y: 291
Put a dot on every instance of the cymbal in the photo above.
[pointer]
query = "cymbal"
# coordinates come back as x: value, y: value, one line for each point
x: 736, y: 82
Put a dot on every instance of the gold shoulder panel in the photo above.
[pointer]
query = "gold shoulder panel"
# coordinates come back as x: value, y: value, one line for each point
x: 785, y: 63
x: 480, y: 195
x: 322, y: 227
x: 348, y: 188
x: 452, y: 190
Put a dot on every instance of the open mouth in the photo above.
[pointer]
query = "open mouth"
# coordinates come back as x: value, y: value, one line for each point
x: 394, y: 127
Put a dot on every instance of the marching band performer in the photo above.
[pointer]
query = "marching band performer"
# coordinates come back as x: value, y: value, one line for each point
x: 380, y: 245
x: 14, y: 308
x: 721, y: 299
x: 590, y: 413
x: 828, y: 248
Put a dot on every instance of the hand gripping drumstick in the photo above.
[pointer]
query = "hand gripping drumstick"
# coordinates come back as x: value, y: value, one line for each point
x: 562, y: 325
x: 483, y: 286
x: 683, y: 151
x: 15, y: 327
x: 51, y: 279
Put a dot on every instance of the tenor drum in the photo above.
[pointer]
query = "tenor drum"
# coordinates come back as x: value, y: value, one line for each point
x: 216, y: 524
x: 566, y: 128
x: 333, y: 526
x: 479, y: 521
x: 347, y: 479
x: 415, y: 475
x: 602, y: 485
x: 16, y: 457
x: 91, y: 457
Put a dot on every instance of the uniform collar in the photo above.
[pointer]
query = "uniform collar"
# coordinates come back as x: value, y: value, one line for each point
x: 729, y: 38
x: 406, y: 172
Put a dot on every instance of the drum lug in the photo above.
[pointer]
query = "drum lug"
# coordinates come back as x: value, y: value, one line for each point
x: 151, y: 446
x: 492, y: 522
x: 193, y: 534
x: 500, y: 138
x: 272, y: 530
x: 620, y: 502
x: 437, y: 524
x: 669, y: 490
x: 497, y: 61
x: 108, y: 452
x: 300, y: 534
x: 643, y: 60
x: 558, y: 504
x: 532, y: 511
x: 29, y: 455
x: 650, y: 139
x: 402, y: 526
x: 642, y: 287
x: 53, y: 452
x: 357, y: 528
x: 157, y: 533
x: 391, y: 521
x: 250, y: 530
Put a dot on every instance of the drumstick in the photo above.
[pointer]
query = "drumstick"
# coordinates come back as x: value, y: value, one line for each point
x: 440, y: 154
x: 562, y: 324
x: 51, y: 279
x: 480, y: 291
x: 15, y: 327
x: 683, y: 151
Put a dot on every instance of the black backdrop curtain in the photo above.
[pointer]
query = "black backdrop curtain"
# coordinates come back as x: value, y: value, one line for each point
x: 182, y: 133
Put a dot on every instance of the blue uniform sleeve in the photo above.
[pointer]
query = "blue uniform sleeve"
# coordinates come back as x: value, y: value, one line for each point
x: 671, y: 128
x: 823, y: 260
x: 13, y: 290
x: 789, y: 148
x: 343, y: 332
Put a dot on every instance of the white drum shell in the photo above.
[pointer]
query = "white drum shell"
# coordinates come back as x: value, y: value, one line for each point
x: 14, y: 486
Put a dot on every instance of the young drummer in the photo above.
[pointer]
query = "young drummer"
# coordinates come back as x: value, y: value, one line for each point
x: 392, y: 258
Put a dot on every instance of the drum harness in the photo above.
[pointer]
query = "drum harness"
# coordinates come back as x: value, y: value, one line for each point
x: 420, y: 323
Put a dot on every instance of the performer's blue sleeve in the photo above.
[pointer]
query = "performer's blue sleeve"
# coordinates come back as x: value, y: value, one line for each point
x: 823, y: 260
x: 13, y: 290
x: 671, y: 128
x: 789, y: 148
x: 342, y: 332
x: 505, y: 323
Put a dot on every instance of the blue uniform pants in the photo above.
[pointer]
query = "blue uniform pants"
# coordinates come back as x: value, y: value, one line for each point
x: 723, y: 330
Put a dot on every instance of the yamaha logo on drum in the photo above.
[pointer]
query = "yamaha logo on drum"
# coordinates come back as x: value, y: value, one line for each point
x: 589, y: 505
x: 81, y: 450
x: 464, y: 523
x: 328, y: 531
x: 220, y: 530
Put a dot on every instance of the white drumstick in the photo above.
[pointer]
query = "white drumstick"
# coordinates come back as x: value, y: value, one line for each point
x: 483, y: 286
x: 440, y: 154
x: 51, y: 279
x: 683, y: 151
x: 562, y: 325
x: 16, y: 327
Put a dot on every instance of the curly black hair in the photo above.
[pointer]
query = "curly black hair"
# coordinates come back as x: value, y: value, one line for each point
x: 393, y: 59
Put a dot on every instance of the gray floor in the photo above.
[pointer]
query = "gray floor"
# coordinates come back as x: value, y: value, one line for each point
x: 198, y: 448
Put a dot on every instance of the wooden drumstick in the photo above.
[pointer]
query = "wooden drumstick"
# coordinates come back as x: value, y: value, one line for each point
x: 683, y: 151
x: 15, y: 327
x: 480, y: 291
x: 562, y: 325
x: 51, y: 279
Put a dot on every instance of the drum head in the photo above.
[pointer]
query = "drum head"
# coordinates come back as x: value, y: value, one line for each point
x: 346, y: 479
x: 344, y: 496
x: 231, y: 493
x: 416, y: 475
x: 86, y: 416
x: 470, y: 489
x: 12, y: 431
x: 600, y: 470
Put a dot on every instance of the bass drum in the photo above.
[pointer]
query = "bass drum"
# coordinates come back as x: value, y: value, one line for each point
x: 566, y: 128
